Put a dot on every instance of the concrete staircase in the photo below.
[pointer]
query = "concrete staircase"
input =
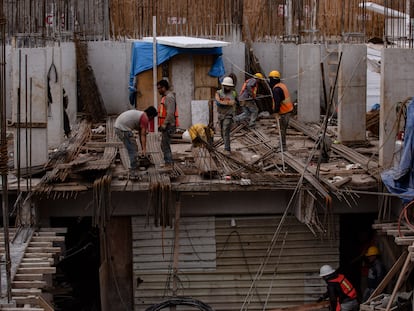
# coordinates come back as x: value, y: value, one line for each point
x: 33, y: 255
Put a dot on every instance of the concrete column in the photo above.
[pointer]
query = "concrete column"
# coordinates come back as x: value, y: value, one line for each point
x: 397, y: 83
x: 289, y: 68
x: 352, y: 93
x: 309, y: 84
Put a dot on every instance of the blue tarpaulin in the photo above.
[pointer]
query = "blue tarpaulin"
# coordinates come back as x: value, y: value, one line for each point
x: 400, y: 180
x: 141, y: 57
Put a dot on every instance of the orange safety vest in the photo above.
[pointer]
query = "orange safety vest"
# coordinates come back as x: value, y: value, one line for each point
x: 286, y: 105
x: 346, y: 288
x: 254, y: 89
x: 162, y: 113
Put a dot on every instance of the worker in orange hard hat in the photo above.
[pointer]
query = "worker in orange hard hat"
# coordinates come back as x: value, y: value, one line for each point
x: 247, y: 99
x: 283, y: 106
x: 376, y: 271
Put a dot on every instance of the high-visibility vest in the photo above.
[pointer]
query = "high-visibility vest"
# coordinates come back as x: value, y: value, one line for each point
x: 254, y: 88
x: 286, y: 105
x: 346, y: 288
x: 162, y: 113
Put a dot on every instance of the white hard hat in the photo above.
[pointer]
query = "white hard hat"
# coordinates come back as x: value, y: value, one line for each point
x: 326, y: 270
x: 227, y: 81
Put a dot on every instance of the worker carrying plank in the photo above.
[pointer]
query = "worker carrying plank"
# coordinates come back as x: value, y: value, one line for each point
x: 341, y: 293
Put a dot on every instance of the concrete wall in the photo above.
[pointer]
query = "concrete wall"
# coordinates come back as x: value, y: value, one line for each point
x: 234, y: 61
x: 64, y: 58
x: 29, y: 104
x: 397, y: 84
x: 352, y: 93
x: 289, y: 70
x: 309, y: 83
x: 269, y: 56
x: 110, y: 62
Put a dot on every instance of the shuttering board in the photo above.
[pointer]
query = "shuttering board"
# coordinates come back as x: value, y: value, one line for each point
x: 290, y: 276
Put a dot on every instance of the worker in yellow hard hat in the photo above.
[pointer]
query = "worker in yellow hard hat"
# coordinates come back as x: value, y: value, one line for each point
x: 283, y: 106
x: 376, y: 271
x: 247, y: 98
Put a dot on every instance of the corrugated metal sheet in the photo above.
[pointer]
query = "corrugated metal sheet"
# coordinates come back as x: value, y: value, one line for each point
x: 222, y: 261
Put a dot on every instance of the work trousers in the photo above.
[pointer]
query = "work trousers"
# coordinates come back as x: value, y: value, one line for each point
x: 284, y: 124
x: 350, y: 305
x: 130, y: 143
x: 249, y: 111
x: 166, y: 144
x: 225, y: 127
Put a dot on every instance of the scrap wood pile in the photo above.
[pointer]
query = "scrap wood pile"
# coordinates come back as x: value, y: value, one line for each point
x: 90, y: 151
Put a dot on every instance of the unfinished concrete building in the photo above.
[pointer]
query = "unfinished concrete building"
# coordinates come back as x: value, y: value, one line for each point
x: 246, y: 231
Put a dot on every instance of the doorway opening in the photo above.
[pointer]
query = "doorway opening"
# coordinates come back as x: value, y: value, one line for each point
x: 76, y: 281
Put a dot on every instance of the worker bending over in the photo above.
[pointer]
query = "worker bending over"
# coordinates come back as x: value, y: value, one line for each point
x: 341, y: 293
x: 126, y: 123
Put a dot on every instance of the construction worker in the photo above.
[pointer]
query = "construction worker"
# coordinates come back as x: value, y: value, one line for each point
x: 167, y: 119
x: 134, y: 120
x: 341, y: 293
x: 283, y: 106
x: 226, y: 99
x: 376, y: 271
x: 247, y: 100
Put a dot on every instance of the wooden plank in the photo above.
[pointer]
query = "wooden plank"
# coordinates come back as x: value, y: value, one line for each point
x: 22, y: 309
x: 30, y: 249
x: 28, y: 277
x: 44, y: 304
x: 29, y: 284
x: 34, y: 270
x: 404, y: 240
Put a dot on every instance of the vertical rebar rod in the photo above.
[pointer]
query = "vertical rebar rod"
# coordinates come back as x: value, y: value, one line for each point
x: 3, y: 150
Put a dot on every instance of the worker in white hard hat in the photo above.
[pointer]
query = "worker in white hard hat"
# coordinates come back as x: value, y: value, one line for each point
x: 376, y: 271
x: 247, y: 99
x: 226, y: 99
x: 341, y: 293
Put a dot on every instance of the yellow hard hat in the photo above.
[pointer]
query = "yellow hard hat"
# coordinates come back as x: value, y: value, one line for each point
x: 274, y: 74
x: 259, y: 75
x: 372, y: 250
